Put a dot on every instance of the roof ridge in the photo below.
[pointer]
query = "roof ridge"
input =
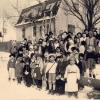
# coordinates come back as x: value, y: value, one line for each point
x: 48, y: 2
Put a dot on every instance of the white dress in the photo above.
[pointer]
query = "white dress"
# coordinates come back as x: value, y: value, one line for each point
x: 72, y: 73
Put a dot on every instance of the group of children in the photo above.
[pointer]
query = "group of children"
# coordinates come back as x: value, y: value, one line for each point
x: 60, y: 61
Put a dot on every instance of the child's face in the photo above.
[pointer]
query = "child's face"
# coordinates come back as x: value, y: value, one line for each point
x: 61, y: 59
x: 81, y: 58
x: 33, y: 59
x: 52, y: 59
x: 75, y: 51
x: 84, y: 35
x: 38, y: 58
x: 18, y: 60
x: 72, y: 62
x: 12, y: 58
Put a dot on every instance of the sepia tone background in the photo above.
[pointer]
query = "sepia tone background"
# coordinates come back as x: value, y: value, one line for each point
x: 12, y: 91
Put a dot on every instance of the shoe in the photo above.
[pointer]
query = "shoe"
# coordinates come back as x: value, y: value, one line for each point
x: 49, y: 91
x: 53, y: 92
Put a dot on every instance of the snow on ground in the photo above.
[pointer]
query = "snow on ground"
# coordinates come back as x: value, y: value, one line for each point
x: 13, y: 91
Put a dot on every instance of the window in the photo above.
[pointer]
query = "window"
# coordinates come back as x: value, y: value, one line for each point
x: 50, y: 6
x: 71, y: 28
x: 40, y: 30
x: 23, y: 32
x: 34, y: 31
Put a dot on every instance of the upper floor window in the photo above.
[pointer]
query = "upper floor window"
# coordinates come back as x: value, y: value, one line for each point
x: 71, y: 28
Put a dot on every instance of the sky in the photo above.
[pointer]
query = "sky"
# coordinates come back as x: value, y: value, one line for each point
x: 6, y: 5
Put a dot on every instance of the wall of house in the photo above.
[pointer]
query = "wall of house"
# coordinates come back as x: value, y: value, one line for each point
x: 63, y: 19
x: 38, y: 33
x: 29, y: 32
x: 19, y: 34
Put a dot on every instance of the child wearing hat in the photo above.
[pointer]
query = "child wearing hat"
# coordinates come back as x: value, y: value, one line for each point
x: 51, y: 70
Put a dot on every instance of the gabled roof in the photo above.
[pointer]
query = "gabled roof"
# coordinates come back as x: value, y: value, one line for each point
x: 37, y: 11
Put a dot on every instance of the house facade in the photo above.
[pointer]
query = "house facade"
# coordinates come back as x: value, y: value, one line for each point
x: 36, y: 21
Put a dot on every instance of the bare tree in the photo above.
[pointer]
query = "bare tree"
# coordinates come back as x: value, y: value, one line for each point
x: 89, y: 16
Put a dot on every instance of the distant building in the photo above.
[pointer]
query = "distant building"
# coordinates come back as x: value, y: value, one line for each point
x: 7, y: 31
x: 38, y: 20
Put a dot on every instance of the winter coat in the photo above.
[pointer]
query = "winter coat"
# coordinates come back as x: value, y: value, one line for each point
x: 40, y: 63
x: 11, y: 64
x: 61, y: 67
x: 27, y: 71
x: 37, y: 73
x: 27, y: 75
x: 72, y: 74
x: 32, y: 66
x: 19, y: 69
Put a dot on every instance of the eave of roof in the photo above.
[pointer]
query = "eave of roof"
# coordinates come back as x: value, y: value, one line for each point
x: 38, y: 20
x: 22, y: 24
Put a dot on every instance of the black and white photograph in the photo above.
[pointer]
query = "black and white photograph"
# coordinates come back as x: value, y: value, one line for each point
x: 49, y: 49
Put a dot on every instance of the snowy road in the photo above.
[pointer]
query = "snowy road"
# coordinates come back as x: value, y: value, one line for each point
x: 12, y: 91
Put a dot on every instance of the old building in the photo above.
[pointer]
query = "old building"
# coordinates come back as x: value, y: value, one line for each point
x: 38, y: 20
x: 7, y: 30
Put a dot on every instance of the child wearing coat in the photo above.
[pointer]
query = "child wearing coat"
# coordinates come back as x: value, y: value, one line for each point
x: 38, y: 76
x: 32, y: 66
x: 11, y: 68
x: 27, y: 74
x: 19, y: 70
x: 72, y: 75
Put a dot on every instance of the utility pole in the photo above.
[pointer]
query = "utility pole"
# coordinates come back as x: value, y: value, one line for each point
x: 3, y: 25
